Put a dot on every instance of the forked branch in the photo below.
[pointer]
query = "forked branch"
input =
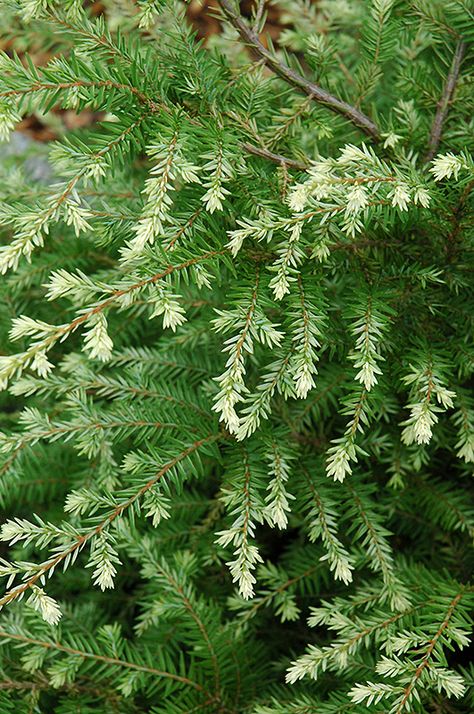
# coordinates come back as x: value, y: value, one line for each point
x: 444, y: 101
x: 319, y: 94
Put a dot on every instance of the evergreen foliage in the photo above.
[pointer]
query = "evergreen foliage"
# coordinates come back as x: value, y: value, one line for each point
x: 237, y: 419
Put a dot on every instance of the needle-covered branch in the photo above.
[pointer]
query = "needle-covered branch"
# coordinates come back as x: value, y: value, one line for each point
x: 319, y: 94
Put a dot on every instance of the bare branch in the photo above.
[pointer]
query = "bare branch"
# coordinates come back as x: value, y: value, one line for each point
x: 319, y: 94
x: 445, y: 99
x: 276, y: 158
x: 456, y: 222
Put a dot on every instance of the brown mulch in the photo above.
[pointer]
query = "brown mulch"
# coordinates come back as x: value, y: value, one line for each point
x: 202, y: 15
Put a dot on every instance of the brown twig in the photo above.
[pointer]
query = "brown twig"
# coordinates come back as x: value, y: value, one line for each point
x: 319, y: 94
x: 444, y: 101
x: 456, y: 221
x: 429, y: 651
x: 276, y: 158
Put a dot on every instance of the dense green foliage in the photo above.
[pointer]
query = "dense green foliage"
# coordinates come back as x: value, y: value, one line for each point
x: 236, y: 320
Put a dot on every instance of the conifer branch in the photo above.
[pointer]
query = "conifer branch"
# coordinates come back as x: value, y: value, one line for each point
x: 62, y: 331
x: 201, y: 626
x: 49, y: 86
x: 101, y: 39
x: 425, y: 662
x: 445, y: 101
x: 115, y: 661
x: 319, y: 94
x: 329, y: 657
x: 153, y: 106
x: 82, y: 540
x: 382, y: 554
